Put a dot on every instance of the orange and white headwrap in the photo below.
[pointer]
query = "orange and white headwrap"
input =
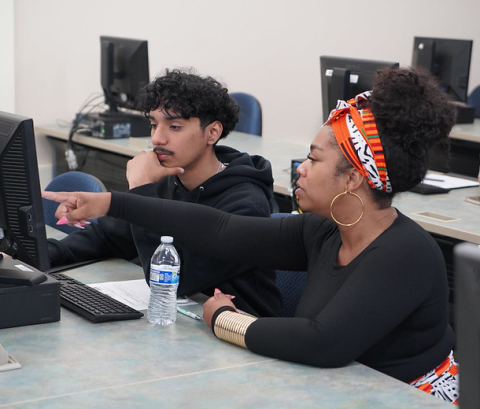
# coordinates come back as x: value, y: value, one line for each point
x: 356, y: 134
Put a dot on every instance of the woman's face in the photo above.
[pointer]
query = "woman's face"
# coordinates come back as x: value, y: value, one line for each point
x: 318, y: 183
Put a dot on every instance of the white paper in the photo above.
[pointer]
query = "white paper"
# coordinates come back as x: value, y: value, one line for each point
x: 448, y: 182
x: 134, y: 293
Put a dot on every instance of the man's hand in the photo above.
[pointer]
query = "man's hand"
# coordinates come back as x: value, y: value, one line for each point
x: 145, y: 168
x: 77, y: 207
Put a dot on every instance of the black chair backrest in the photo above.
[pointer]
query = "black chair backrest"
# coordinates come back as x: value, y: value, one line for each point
x: 290, y: 283
x: 69, y: 182
x: 250, y: 116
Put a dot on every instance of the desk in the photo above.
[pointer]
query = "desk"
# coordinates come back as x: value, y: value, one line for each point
x: 467, y: 132
x: 463, y: 218
x: 278, y: 151
x: 132, y: 364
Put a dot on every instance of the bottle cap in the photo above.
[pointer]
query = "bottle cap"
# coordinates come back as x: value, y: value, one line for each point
x: 166, y: 239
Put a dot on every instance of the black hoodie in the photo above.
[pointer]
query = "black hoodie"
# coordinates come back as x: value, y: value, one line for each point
x: 245, y: 187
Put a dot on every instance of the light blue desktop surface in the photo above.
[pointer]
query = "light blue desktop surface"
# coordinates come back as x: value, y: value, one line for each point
x: 131, y: 364
x: 447, y: 214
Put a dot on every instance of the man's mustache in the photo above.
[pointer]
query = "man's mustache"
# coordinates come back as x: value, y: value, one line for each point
x: 158, y: 149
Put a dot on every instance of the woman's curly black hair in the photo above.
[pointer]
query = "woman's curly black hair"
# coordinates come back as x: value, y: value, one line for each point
x: 412, y: 114
x: 189, y: 95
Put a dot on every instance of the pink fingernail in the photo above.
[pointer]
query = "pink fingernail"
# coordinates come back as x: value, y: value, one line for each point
x: 63, y: 220
x: 80, y: 226
x: 217, y: 291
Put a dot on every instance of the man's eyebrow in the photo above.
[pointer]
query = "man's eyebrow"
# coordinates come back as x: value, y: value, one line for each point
x: 172, y: 118
x: 315, y: 147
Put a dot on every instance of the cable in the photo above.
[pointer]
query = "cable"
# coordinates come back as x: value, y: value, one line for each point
x: 70, y: 156
x: 92, y: 97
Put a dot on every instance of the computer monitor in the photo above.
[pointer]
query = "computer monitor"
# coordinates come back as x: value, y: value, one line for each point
x: 22, y: 227
x: 124, y: 70
x: 344, y: 78
x: 448, y: 60
x: 467, y: 322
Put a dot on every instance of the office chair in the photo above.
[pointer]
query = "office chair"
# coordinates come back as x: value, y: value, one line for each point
x: 250, y: 117
x: 467, y: 322
x: 474, y: 100
x: 290, y: 283
x: 72, y: 181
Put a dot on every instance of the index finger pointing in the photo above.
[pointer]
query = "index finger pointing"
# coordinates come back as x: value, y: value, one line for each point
x: 55, y: 196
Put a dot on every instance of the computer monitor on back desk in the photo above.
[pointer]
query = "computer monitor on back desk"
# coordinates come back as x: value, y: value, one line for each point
x: 344, y: 78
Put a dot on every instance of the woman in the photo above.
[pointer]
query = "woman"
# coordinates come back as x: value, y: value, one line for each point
x: 377, y: 288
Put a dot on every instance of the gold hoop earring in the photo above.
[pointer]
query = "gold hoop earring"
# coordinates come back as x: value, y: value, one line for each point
x: 347, y: 192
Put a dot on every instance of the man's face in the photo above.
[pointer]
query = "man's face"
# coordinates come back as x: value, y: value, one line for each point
x: 177, y: 141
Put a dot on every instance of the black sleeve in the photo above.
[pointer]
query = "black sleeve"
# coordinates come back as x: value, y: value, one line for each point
x: 109, y: 237
x: 388, y: 285
x: 255, y: 241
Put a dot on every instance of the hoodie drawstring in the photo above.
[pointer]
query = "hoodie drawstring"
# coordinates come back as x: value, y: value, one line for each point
x: 200, y: 191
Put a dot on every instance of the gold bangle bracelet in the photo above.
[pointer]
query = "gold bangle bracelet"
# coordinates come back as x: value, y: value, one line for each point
x: 231, y: 327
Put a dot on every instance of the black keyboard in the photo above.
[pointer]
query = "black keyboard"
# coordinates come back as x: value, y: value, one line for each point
x: 426, y: 189
x: 91, y: 303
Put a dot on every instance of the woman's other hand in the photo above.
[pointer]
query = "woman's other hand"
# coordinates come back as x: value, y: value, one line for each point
x: 214, y: 303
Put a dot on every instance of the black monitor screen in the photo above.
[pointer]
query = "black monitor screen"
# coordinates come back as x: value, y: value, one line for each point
x: 448, y: 60
x: 344, y: 78
x: 22, y: 227
x: 124, y: 70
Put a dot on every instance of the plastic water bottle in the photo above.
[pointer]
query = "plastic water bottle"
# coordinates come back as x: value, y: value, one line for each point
x: 164, y: 279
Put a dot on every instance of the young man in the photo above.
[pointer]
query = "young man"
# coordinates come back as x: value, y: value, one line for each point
x: 188, y: 115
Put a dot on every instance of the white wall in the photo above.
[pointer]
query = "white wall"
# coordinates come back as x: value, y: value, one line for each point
x: 7, y: 64
x: 269, y: 48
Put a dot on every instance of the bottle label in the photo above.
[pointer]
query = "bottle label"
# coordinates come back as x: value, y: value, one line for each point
x: 164, y: 275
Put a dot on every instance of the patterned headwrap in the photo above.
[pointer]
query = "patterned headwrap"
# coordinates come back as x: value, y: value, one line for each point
x: 356, y: 134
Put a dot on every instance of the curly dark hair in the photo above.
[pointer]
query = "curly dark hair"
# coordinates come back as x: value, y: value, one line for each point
x: 189, y: 95
x: 412, y: 114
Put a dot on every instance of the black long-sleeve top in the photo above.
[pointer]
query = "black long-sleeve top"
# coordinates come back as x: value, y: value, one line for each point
x: 386, y: 309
